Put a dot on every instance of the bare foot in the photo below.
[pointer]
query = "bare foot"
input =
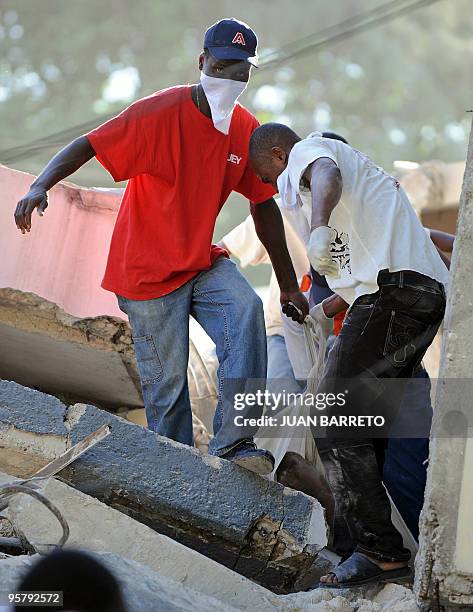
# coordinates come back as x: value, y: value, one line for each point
x: 384, y: 565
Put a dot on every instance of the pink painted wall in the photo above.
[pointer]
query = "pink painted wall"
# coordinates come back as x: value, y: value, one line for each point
x: 63, y: 258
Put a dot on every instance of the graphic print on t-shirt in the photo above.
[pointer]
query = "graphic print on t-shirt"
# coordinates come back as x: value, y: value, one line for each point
x: 340, y: 249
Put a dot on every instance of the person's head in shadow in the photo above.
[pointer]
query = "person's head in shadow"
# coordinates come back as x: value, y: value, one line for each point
x: 86, y: 584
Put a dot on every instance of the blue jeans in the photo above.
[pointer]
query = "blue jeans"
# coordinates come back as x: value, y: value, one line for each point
x: 280, y: 373
x: 405, y: 459
x: 231, y: 313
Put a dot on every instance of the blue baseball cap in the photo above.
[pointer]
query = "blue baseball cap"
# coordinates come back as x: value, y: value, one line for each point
x: 230, y: 39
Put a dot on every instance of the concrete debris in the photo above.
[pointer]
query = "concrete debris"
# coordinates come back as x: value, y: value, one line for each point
x: 380, y: 598
x: 433, y: 185
x: 92, y: 359
x: 95, y: 526
x: 6, y: 529
x: 201, y: 432
x: 143, y: 590
x: 88, y: 358
x: 444, y: 572
x: 257, y: 527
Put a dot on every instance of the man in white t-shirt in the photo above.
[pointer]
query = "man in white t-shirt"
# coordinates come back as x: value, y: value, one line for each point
x: 362, y: 233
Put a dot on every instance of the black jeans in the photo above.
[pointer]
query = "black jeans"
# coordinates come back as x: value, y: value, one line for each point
x: 384, y: 336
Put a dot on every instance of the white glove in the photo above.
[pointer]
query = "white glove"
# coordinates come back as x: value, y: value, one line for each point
x: 318, y: 252
x: 325, y: 323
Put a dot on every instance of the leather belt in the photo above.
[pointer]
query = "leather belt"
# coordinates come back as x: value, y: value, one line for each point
x: 408, y: 277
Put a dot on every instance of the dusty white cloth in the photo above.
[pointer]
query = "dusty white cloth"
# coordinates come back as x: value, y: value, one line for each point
x: 318, y: 315
x: 297, y: 349
x: 374, y: 226
x: 243, y: 242
x: 303, y: 342
x: 221, y: 95
x: 288, y: 440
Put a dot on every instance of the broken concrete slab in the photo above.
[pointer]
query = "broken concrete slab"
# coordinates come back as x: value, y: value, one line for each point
x: 45, y: 348
x: 142, y: 589
x: 95, y: 526
x: 145, y: 590
x: 92, y: 359
x: 257, y: 527
x: 378, y: 598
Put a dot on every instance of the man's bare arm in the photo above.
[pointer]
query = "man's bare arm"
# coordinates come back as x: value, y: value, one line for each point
x: 270, y: 229
x: 326, y: 189
x: 333, y: 305
x: 442, y: 240
x: 62, y: 165
x: 443, y: 257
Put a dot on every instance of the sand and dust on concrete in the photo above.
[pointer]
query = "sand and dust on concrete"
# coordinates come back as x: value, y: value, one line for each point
x: 388, y: 598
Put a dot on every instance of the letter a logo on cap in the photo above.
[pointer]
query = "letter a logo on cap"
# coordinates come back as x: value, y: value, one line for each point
x: 238, y: 39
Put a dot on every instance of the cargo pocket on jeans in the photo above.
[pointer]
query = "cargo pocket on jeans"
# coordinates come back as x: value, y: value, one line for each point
x: 405, y: 339
x: 149, y: 364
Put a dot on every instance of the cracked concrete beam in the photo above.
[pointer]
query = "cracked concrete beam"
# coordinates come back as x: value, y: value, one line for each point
x: 244, y: 521
x: 92, y: 359
x: 46, y: 348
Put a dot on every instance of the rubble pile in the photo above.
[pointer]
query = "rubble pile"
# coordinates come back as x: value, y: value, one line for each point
x: 161, y: 516
x: 255, y: 526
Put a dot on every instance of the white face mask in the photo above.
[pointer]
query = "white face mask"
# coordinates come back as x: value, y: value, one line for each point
x: 221, y: 95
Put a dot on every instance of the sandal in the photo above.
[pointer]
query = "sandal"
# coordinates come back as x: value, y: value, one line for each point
x: 358, y: 570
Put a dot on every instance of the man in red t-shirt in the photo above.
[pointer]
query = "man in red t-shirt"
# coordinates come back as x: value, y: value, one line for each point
x: 183, y: 150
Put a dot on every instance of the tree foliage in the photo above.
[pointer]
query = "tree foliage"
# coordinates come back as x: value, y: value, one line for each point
x: 398, y: 92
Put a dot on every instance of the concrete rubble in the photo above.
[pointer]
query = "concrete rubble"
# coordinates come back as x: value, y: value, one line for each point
x: 95, y: 526
x: 92, y: 359
x: 88, y: 358
x: 257, y: 527
x: 433, y: 188
x: 145, y: 590
x: 155, y: 571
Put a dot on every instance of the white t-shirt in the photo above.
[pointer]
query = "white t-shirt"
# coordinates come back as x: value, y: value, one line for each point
x: 374, y: 226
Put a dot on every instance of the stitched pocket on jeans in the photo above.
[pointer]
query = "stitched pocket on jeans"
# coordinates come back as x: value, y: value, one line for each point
x: 405, y: 339
x: 149, y: 364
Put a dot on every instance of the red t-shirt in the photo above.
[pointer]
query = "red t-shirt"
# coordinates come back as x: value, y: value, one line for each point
x: 180, y: 172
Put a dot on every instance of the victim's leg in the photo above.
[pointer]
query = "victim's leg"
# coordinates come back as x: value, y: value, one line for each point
x: 297, y: 473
